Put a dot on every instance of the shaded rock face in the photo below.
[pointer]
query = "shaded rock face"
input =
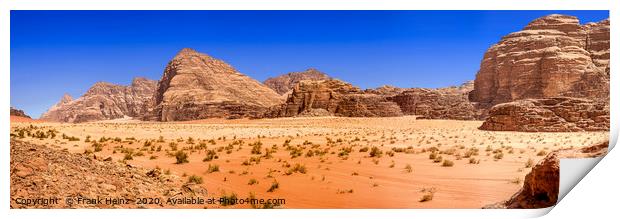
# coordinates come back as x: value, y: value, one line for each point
x: 18, y: 112
x: 285, y: 83
x: 197, y: 86
x: 552, y: 56
x: 40, y: 171
x: 443, y: 103
x: 336, y: 98
x: 104, y: 101
x: 542, y: 185
x: 560, y: 114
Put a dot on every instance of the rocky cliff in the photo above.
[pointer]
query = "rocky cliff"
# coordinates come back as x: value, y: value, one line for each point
x: 552, y: 56
x: 197, y: 86
x: 285, y: 83
x: 541, y: 186
x: 18, y: 112
x: 333, y: 97
x: 442, y: 103
x: 104, y: 101
x: 337, y: 98
x: 560, y: 114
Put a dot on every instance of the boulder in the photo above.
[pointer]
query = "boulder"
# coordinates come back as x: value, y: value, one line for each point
x: 559, y: 114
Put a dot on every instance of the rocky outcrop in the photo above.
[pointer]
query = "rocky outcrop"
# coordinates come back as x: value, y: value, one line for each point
x: 336, y: 98
x: 560, y: 114
x: 197, y: 86
x: 442, y: 103
x: 542, y: 185
x: 38, y: 171
x: 18, y: 112
x: 552, y: 56
x: 104, y: 101
x: 284, y: 83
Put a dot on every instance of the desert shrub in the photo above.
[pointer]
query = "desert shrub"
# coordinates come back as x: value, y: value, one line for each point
x: 128, y: 156
x: 471, y: 152
x: 364, y: 149
x: 474, y: 161
x: 195, y: 179
x: 213, y: 168
x: 529, y: 163
x: 252, y: 181
x: 344, y: 152
x: 299, y: 168
x: 211, y: 154
x: 173, y: 146
x: 181, y: 157
x: 190, y: 140
x: 274, y: 185
x: 516, y: 180
x: 447, y: 163
x: 432, y: 155
x: 541, y: 153
x: 375, y: 152
x: 437, y: 159
x: 226, y: 200
x: 498, y: 156
x: 98, y: 146
x: 256, y: 147
x: 408, y: 168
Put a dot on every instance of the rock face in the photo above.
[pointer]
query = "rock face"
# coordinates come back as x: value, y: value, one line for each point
x: 104, y: 101
x: 443, y: 103
x: 39, y: 171
x: 284, y: 83
x: 542, y: 185
x: 560, y: 114
x: 17, y: 112
x: 197, y: 86
x: 336, y: 98
x: 552, y: 56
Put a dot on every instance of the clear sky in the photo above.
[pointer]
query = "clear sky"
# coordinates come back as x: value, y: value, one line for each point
x: 57, y: 52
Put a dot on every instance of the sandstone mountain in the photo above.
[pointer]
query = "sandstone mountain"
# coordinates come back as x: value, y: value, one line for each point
x: 40, y: 171
x: 559, y: 114
x: 284, y: 83
x: 197, y: 86
x: 104, y: 101
x: 442, y: 103
x: 337, y: 98
x: 552, y: 56
x: 541, y: 186
x: 333, y: 97
x: 18, y: 112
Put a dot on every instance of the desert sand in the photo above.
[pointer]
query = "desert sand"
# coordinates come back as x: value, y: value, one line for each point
x: 326, y: 162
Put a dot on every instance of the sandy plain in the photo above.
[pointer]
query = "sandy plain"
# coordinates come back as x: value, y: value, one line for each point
x: 327, y: 162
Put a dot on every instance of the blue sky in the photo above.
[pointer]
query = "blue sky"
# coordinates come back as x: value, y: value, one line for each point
x: 57, y: 52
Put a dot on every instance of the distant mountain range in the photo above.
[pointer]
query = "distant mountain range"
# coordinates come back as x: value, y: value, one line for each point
x: 553, y: 56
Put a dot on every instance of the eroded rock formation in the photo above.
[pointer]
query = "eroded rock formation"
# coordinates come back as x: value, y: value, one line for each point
x: 560, y: 114
x: 104, y: 101
x: 542, y: 185
x: 333, y: 97
x: 285, y: 83
x: 442, y: 103
x: 197, y: 86
x: 552, y: 56
x: 18, y: 112
x: 338, y: 98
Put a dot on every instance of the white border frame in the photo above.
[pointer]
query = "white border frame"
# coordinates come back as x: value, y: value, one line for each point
x: 7, y: 5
